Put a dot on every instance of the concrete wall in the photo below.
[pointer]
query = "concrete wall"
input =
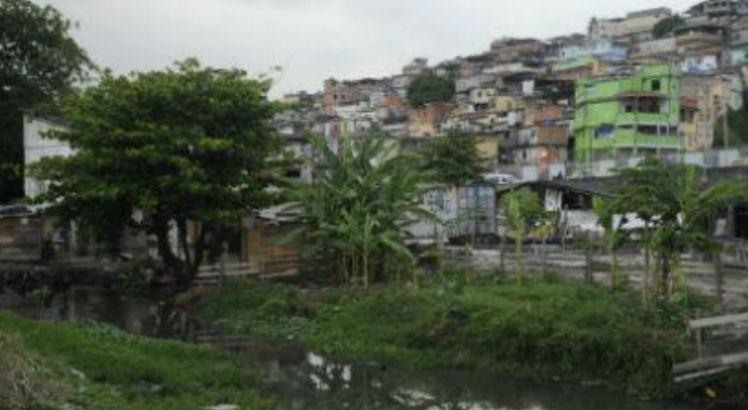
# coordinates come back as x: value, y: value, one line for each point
x: 36, y: 147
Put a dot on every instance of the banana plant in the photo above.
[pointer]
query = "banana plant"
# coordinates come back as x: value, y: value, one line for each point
x: 522, y: 209
x: 358, y: 209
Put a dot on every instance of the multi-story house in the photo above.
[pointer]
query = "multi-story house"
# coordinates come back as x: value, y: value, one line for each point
x: 572, y: 70
x: 604, y: 49
x: 427, y: 120
x: 636, y: 113
x: 661, y: 49
x: 710, y: 96
x: 635, y: 26
x: 341, y: 93
x: 518, y: 49
x: 718, y: 10
x: 465, y: 85
x: 738, y: 42
x: 542, y: 139
x: 701, y: 47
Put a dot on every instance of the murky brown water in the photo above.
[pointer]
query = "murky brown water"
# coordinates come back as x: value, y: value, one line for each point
x: 308, y: 381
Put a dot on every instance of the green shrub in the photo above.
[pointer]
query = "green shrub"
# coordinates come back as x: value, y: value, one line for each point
x: 125, y: 371
x: 543, y: 329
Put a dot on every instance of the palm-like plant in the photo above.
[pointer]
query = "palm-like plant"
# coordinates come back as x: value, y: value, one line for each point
x: 522, y: 209
x: 606, y: 210
x: 680, y: 208
x: 358, y: 209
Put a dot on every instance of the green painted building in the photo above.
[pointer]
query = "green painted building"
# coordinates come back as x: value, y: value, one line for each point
x: 633, y: 114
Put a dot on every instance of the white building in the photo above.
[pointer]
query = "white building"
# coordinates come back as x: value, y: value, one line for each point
x: 604, y: 49
x: 36, y: 145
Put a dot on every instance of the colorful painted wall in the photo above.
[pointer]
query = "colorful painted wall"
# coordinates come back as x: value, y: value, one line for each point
x: 634, y: 113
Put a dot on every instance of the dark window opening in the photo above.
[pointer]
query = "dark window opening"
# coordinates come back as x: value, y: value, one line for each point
x: 741, y: 221
x: 293, y: 173
x: 656, y: 85
x: 647, y: 129
x: 605, y: 131
x: 575, y: 201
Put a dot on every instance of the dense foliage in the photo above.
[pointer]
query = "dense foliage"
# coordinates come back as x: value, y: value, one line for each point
x: 454, y: 160
x: 39, y: 62
x: 679, y: 209
x: 165, y: 149
x: 605, y: 210
x: 357, y: 210
x: 549, y: 330
x: 430, y: 88
x: 522, y: 211
x: 95, y: 366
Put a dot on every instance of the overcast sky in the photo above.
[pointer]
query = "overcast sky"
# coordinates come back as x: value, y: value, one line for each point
x: 317, y: 39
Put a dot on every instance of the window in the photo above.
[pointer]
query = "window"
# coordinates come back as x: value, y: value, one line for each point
x: 647, y: 129
x: 604, y: 131
x: 649, y: 105
x: 655, y: 85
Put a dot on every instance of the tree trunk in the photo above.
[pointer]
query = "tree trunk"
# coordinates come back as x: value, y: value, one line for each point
x: 665, y: 278
x: 613, y: 268
x: 718, y: 276
x: 502, y: 254
x: 520, y: 262
x: 647, y: 269
x: 588, y: 260
x: 173, y: 264
x: 183, y: 242
x: 365, y: 268
x: 543, y: 257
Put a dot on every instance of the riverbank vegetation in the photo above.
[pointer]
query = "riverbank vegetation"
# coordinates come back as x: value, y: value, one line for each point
x: 552, y: 330
x: 56, y: 365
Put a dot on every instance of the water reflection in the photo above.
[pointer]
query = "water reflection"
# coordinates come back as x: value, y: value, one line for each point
x: 142, y: 316
x: 318, y: 384
x: 308, y: 381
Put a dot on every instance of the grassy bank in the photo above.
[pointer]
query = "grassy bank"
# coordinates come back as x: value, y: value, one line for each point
x: 57, y: 366
x: 558, y: 331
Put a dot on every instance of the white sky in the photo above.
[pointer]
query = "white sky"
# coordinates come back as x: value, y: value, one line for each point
x: 317, y: 39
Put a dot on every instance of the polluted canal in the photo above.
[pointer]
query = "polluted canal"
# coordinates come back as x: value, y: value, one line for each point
x: 304, y: 380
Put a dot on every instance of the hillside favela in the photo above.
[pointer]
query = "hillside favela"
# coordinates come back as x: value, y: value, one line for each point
x: 545, y: 224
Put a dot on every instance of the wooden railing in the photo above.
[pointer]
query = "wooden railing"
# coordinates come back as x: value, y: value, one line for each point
x: 724, y: 359
x: 215, y: 273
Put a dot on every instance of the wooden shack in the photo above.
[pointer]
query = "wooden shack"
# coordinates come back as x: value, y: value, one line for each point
x: 263, y: 246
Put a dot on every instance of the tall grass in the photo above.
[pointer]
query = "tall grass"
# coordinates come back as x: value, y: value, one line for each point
x: 116, y: 370
x: 548, y: 330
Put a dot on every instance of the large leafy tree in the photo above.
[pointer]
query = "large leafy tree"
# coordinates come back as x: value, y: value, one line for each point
x: 430, y: 88
x: 454, y: 160
x: 359, y: 207
x: 39, y: 62
x: 679, y: 209
x: 161, y: 150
